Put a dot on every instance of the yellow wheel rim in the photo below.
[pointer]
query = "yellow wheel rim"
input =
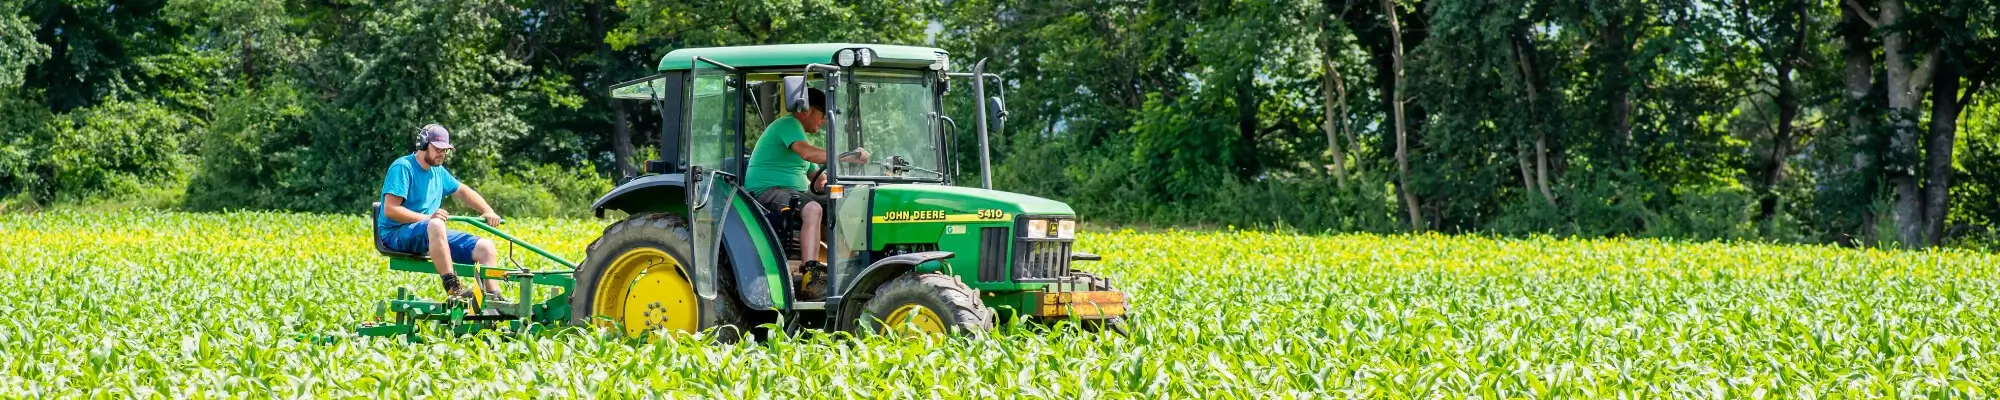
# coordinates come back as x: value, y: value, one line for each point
x: 914, y: 319
x: 644, y: 290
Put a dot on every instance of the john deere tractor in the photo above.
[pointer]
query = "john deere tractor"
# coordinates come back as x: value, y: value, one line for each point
x: 908, y: 248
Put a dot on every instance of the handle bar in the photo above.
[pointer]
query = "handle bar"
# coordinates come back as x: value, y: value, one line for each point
x: 481, y: 224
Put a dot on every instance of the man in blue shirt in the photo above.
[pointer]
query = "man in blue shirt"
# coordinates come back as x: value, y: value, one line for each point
x: 413, y: 219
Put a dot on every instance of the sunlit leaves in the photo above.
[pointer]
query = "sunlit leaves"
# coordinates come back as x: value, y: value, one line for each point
x: 192, y: 305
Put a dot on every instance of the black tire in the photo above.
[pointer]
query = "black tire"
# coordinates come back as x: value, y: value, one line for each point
x: 667, y: 233
x: 955, y: 305
x: 1096, y: 284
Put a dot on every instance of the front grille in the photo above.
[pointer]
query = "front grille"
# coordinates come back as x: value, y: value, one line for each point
x: 1040, y: 260
x: 993, y: 254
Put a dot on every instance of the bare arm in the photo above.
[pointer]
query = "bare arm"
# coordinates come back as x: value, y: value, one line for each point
x: 812, y: 154
x: 392, y: 207
x: 816, y: 155
x: 466, y: 195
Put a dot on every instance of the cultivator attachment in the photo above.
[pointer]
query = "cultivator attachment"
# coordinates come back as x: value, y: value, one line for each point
x: 406, y: 315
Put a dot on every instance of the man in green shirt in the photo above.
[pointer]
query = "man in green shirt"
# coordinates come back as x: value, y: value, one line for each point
x: 777, y: 174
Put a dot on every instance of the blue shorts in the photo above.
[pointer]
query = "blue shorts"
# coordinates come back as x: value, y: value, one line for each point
x: 412, y: 238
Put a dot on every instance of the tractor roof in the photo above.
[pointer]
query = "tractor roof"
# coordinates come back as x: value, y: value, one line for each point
x: 782, y: 55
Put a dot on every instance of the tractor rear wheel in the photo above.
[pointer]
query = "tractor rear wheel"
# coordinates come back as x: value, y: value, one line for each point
x: 926, y: 303
x: 635, y: 278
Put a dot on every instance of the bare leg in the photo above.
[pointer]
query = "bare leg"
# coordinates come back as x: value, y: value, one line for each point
x: 809, y: 234
x: 485, y: 254
x: 440, y: 253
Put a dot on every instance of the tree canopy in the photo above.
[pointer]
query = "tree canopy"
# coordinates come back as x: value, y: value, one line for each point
x: 1860, y: 122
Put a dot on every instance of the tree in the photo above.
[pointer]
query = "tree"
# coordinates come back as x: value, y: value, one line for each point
x: 18, y: 49
x: 1410, y: 199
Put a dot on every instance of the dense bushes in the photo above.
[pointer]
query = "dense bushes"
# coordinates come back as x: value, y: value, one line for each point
x: 111, y: 149
x: 543, y: 190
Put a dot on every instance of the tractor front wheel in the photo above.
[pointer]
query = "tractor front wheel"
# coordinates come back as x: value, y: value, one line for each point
x: 926, y: 303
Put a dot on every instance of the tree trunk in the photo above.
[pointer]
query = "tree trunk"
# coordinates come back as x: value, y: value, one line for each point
x: 1620, y: 76
x: 1246, y: 160
x: 1336, y: 110
x: 1945, y: 109
x: 1524, y: 55
x: 1335, y: 93
x: 1908, y: 210
x: 248, y: 61
x: 621, y: 130
x: 1795, y: 24
x: 1858, y: 55
x: 1410, y: 200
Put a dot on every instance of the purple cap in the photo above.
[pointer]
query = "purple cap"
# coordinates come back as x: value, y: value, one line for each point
x: 436, y: 136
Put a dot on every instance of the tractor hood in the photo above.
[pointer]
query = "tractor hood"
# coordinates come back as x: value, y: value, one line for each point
x: 953, y: 203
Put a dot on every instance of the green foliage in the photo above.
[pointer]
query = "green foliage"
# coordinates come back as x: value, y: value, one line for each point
x: 18, y: 49
x: 1976, y: 197
x: 109, y: 149
x: 398, y: 67
x: 546, y: 190
x: 1722, y: 213
x: 1569, y: 117
x: 1236, y: 314
x: 684, y: 23
x: 240, y: 158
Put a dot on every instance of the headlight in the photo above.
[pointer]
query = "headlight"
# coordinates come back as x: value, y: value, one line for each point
x: 867, y: 57
x: 1066, y: 229
x: 1038, y: 228
x: 844, y: 58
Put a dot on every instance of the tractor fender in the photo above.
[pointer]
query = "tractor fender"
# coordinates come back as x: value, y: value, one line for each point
x: 662, y: 192
x: 667, y: 193
x: 875, y: 275
x: 746, y: 250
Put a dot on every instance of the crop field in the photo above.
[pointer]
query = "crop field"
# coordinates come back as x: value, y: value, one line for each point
x: 212, y: 305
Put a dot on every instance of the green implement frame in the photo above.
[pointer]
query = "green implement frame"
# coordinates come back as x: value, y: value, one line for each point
x: 405, y: 315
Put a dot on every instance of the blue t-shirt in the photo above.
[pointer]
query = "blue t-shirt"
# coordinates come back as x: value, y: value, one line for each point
x: 422, y: 190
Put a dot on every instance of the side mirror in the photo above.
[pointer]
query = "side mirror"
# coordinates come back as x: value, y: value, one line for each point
x: 996, y: 114
x: 795, y: 94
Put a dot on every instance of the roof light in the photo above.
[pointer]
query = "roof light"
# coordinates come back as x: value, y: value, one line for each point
x: 844, y: 58
x: 867, y: 57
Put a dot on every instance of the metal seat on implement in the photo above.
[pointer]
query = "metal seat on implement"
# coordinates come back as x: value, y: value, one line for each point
x: 375, y: 212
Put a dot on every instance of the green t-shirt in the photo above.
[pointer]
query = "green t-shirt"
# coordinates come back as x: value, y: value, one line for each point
x: 773, y: 163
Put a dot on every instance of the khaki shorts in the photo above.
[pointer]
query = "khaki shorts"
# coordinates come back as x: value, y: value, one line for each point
x: 777, y: 198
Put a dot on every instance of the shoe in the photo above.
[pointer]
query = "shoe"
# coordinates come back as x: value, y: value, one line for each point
x: 496, y: 296
x: 815, y: 278
x: 460, y: 293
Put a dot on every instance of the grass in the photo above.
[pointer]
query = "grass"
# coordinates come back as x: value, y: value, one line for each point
x: 147, y: 304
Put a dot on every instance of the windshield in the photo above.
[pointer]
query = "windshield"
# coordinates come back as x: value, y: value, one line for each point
x: 892, y: 118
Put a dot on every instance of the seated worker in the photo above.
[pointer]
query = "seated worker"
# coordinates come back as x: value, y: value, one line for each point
x: 777, y: 174
x: 413, y: 221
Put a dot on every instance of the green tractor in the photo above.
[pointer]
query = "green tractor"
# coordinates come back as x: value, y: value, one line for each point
x: 907, y: 249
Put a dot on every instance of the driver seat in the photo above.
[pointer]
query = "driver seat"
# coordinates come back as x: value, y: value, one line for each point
x: 375, y: 235
x: 785, y: 223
